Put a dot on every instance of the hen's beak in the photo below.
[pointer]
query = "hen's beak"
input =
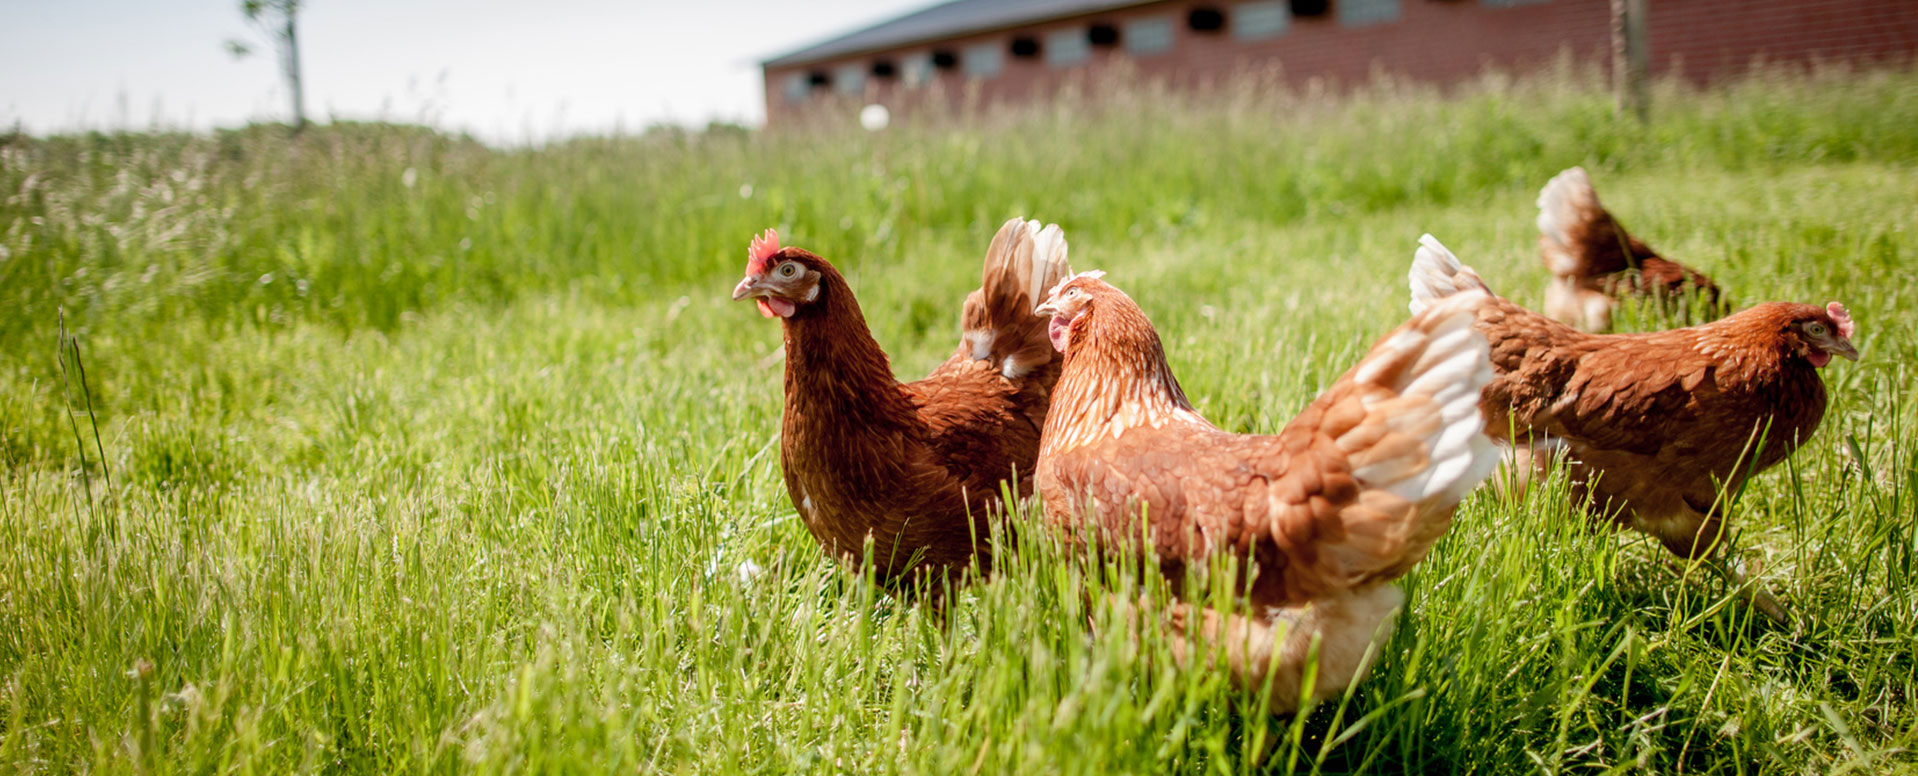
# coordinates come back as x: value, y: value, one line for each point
x: 1045, y: 308
x: 1843, y: 347
x: 752, y: 286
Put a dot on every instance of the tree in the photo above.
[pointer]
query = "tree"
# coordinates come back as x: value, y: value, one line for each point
x: 276, y: 20
x: 1630, y: 54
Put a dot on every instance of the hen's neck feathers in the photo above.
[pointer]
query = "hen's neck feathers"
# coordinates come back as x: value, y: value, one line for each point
x: 1115, y: 378
x: 832, y: 362
x: 1754, y: 343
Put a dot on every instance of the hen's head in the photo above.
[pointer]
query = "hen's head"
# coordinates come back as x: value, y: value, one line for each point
x: 780, y: 279
x: 1114, y: 370
x: 1070, y: 301
x: 1816, y: 334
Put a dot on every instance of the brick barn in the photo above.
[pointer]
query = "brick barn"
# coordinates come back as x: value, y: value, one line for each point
x: 1013, y: 50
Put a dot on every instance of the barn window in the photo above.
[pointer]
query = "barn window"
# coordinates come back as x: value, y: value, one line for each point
x: 1066, y: 48
x: 1150, y: 35
x: 884, y: 68
x: 1261, y: 20
x: 1359, y: 13
x: 915, y: 69
x: 818, y: 79
x: 795, y: 86
x: 984, y: 60
x: 1102, y: 35
x: 944, y: 59
x: 1205, y: 20
x: 849, y: 79
x: 1024, y: 47
x: 1306, y: 8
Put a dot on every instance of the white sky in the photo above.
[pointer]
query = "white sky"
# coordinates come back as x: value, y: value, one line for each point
x: 506, y: 70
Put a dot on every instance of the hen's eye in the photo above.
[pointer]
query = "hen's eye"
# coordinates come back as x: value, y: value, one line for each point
x: 788, y: 269
x: 1815, y: 329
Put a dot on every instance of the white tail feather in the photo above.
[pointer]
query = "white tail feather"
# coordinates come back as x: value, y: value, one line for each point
x: 1566, y: 200
x: 1451, y: 367
x: 1049, y: 265
x: 1025, y: 259
x: 1437, y: 274
x: 1049, y: 262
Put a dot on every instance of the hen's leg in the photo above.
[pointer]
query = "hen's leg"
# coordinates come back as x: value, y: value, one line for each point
x: 1700, y: 536
x: 1752, y: 593
x: 1521, y: 463
x: 1338, y: 635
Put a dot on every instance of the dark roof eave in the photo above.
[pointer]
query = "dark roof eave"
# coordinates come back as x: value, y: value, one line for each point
x: 823, y: 52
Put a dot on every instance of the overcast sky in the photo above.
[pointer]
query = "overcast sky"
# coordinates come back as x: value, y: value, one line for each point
x: 506, y: 70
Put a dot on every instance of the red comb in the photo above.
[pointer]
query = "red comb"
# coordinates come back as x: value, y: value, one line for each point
x: 1842, y: 318
x: 759, y: 256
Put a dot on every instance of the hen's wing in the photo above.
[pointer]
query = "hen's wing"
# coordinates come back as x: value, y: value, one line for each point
x: 977, y: 426
x: 1621, y: 392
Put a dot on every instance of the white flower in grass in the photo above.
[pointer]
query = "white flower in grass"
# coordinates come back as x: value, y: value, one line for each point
x: 748, y: 571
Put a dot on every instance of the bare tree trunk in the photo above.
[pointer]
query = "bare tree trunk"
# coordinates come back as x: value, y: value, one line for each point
x: 292, y: 65
x: 1630, y: 56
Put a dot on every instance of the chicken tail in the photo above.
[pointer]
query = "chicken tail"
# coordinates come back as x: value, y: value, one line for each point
x: 1435, y: 366
x: 1406, y: 421
x: 1569, y: 219
x: 1437, y: 274
x: 998, y: 325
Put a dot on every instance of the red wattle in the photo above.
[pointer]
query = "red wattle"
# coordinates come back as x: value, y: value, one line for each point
x: 1059, y: 332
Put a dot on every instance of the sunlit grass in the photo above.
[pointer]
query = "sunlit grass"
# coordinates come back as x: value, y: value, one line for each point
x: 430, y: 457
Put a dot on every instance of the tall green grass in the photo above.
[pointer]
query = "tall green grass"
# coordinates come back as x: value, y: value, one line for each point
x: 426, y: 456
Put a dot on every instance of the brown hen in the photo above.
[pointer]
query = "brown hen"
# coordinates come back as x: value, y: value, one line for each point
x: 1595, y: 263
x: 913, y: 468
x: 1654, y: 427
x: 1346, y: 498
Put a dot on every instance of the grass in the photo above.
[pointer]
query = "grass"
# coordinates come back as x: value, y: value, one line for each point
x: 429, y: 457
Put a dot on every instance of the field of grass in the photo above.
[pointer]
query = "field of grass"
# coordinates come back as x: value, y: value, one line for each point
x: 396, y: 453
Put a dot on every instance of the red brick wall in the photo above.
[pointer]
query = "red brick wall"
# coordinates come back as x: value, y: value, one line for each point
x: 1432, y: 40
x: 1708, y: 40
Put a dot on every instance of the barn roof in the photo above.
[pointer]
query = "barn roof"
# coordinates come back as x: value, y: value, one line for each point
x: 945, y: 20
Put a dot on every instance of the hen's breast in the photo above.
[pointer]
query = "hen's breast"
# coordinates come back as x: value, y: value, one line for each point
x: 857, y: 478
x: 1794, y: 403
